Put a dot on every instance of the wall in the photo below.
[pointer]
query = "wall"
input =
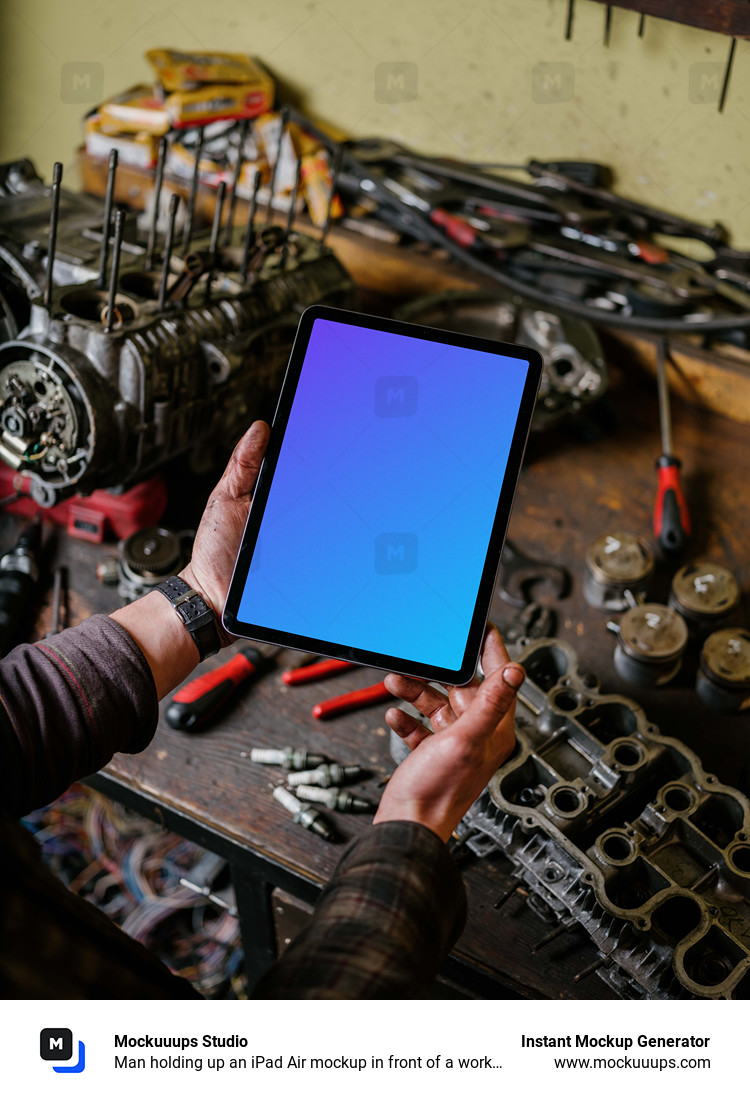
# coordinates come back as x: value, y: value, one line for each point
x: 491, y: 80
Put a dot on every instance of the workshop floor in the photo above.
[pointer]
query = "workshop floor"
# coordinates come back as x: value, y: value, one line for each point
x: 130, y: 868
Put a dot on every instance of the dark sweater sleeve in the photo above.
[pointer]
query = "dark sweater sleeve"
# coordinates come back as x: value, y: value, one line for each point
x: 384, y: 923
x: 67, y: 705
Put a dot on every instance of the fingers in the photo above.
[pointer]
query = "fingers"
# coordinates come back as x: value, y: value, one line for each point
x: 494, y: 653
x: 494, y: 698
x: 242, y: 472
x: 428, y: 700
x: 409, y: 729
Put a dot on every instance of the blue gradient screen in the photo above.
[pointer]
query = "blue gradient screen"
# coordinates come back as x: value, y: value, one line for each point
x: 379, y: 514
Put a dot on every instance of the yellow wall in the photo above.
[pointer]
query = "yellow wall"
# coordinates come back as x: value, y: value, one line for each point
x: 495, y: 79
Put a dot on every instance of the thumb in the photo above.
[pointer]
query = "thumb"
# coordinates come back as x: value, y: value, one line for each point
x: 242, y: 471
x: 494, y: 698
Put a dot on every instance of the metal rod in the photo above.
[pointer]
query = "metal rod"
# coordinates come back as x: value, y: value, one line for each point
x: 506, y: 895
x: 218, y: 210
x: 215, y: 230
x: 54, y: 214
x: 290, y: 215
x: 607, y: 23
x: 250, y: 228
x: 727, y: 74
x: 641, y: 26
x: 549, y: 937
x: 334, y: 179
x: 158, y: 180
x: 590, y: 969
x: 188, y: 233
x: 569, y: 20
x: 60, y: 611
x: 174, y: 202
x: 244, y: 126
x: 108, y: 200
x: 115, y: 270
x: 665, y: 415
x: 283, y: 120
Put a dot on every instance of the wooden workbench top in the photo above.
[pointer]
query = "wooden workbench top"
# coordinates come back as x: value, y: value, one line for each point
x: 571, y: 490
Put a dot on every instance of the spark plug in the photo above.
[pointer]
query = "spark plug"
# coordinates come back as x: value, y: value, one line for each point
x: 287, y: 758
x: 335, y: 799
x: 305, y: 815
x: 327, y: 775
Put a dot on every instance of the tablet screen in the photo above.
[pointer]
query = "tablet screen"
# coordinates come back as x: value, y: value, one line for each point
x: 375, y: 529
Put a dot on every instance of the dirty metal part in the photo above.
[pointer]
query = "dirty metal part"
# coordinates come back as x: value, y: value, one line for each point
x: 651, y: 639
x: 335, y: 799
x: 82, y: 408
x: 250, y: 234
x: 187, y: 235
x: 707, y: 595
x: 723, y: 680
x: 109, y: 197
x: 237, y: 175
x: 147, y: 558
x: 520, y: 575
x: 574, y: 374
x: 287, y: 757
x: 536, y: 620
x: 111, y: 317
x: 620, y: 832
x: 327, y: 775
x: 54, y: 218
x: 617, y: 563
x: 304, y: 814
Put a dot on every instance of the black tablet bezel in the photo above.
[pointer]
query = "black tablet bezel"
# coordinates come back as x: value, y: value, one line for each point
x: 499, y: 526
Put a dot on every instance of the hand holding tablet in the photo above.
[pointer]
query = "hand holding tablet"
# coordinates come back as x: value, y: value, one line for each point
x: 378, y: 520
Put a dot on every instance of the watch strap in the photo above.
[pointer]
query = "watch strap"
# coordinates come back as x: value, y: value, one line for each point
x: 196, y: 614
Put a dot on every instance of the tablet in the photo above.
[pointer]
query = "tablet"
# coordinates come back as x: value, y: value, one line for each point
x: 378, y: 519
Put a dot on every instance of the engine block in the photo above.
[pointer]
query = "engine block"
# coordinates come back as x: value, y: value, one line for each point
x: 91, y: 401
x: 618, y: 830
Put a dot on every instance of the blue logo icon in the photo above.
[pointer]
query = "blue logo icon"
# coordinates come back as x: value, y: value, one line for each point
x: 56, y: 1045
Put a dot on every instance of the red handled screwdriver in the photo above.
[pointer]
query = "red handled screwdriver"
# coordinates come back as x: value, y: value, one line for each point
x: 197, y: 702
x: 318, y: 670
x: 671, y: 518
x: 353, y: 700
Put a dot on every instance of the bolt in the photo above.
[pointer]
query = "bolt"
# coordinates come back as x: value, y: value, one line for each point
x: 287, y: 757
x: 304, y: 814
x: 327, y: 775
x: 335, y: 799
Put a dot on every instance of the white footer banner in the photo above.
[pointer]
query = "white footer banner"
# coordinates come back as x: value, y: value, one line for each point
x: 372, y: 1049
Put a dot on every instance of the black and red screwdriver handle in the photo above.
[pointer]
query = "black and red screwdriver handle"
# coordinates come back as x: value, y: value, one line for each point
x: 197, y: 702
x: 671, y: 517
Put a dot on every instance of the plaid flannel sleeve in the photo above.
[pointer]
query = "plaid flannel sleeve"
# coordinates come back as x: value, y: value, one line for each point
x: 67, y: 705
x: 391, y: 912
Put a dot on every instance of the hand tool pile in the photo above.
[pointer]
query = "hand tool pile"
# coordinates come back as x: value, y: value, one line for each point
x: 564, y: 240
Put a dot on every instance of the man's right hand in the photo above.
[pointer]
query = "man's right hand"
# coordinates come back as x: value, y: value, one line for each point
x: 448, y: 769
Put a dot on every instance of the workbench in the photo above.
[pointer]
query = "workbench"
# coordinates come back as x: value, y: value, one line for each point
x: 573, y: 488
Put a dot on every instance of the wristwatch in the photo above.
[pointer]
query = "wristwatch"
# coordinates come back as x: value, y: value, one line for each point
x: 197, y: 616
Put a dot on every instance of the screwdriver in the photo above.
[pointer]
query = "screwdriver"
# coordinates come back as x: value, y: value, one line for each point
x: 196, y: 703
x: 317, y: 670
x: 353, y: 700
x: 671, y: 518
